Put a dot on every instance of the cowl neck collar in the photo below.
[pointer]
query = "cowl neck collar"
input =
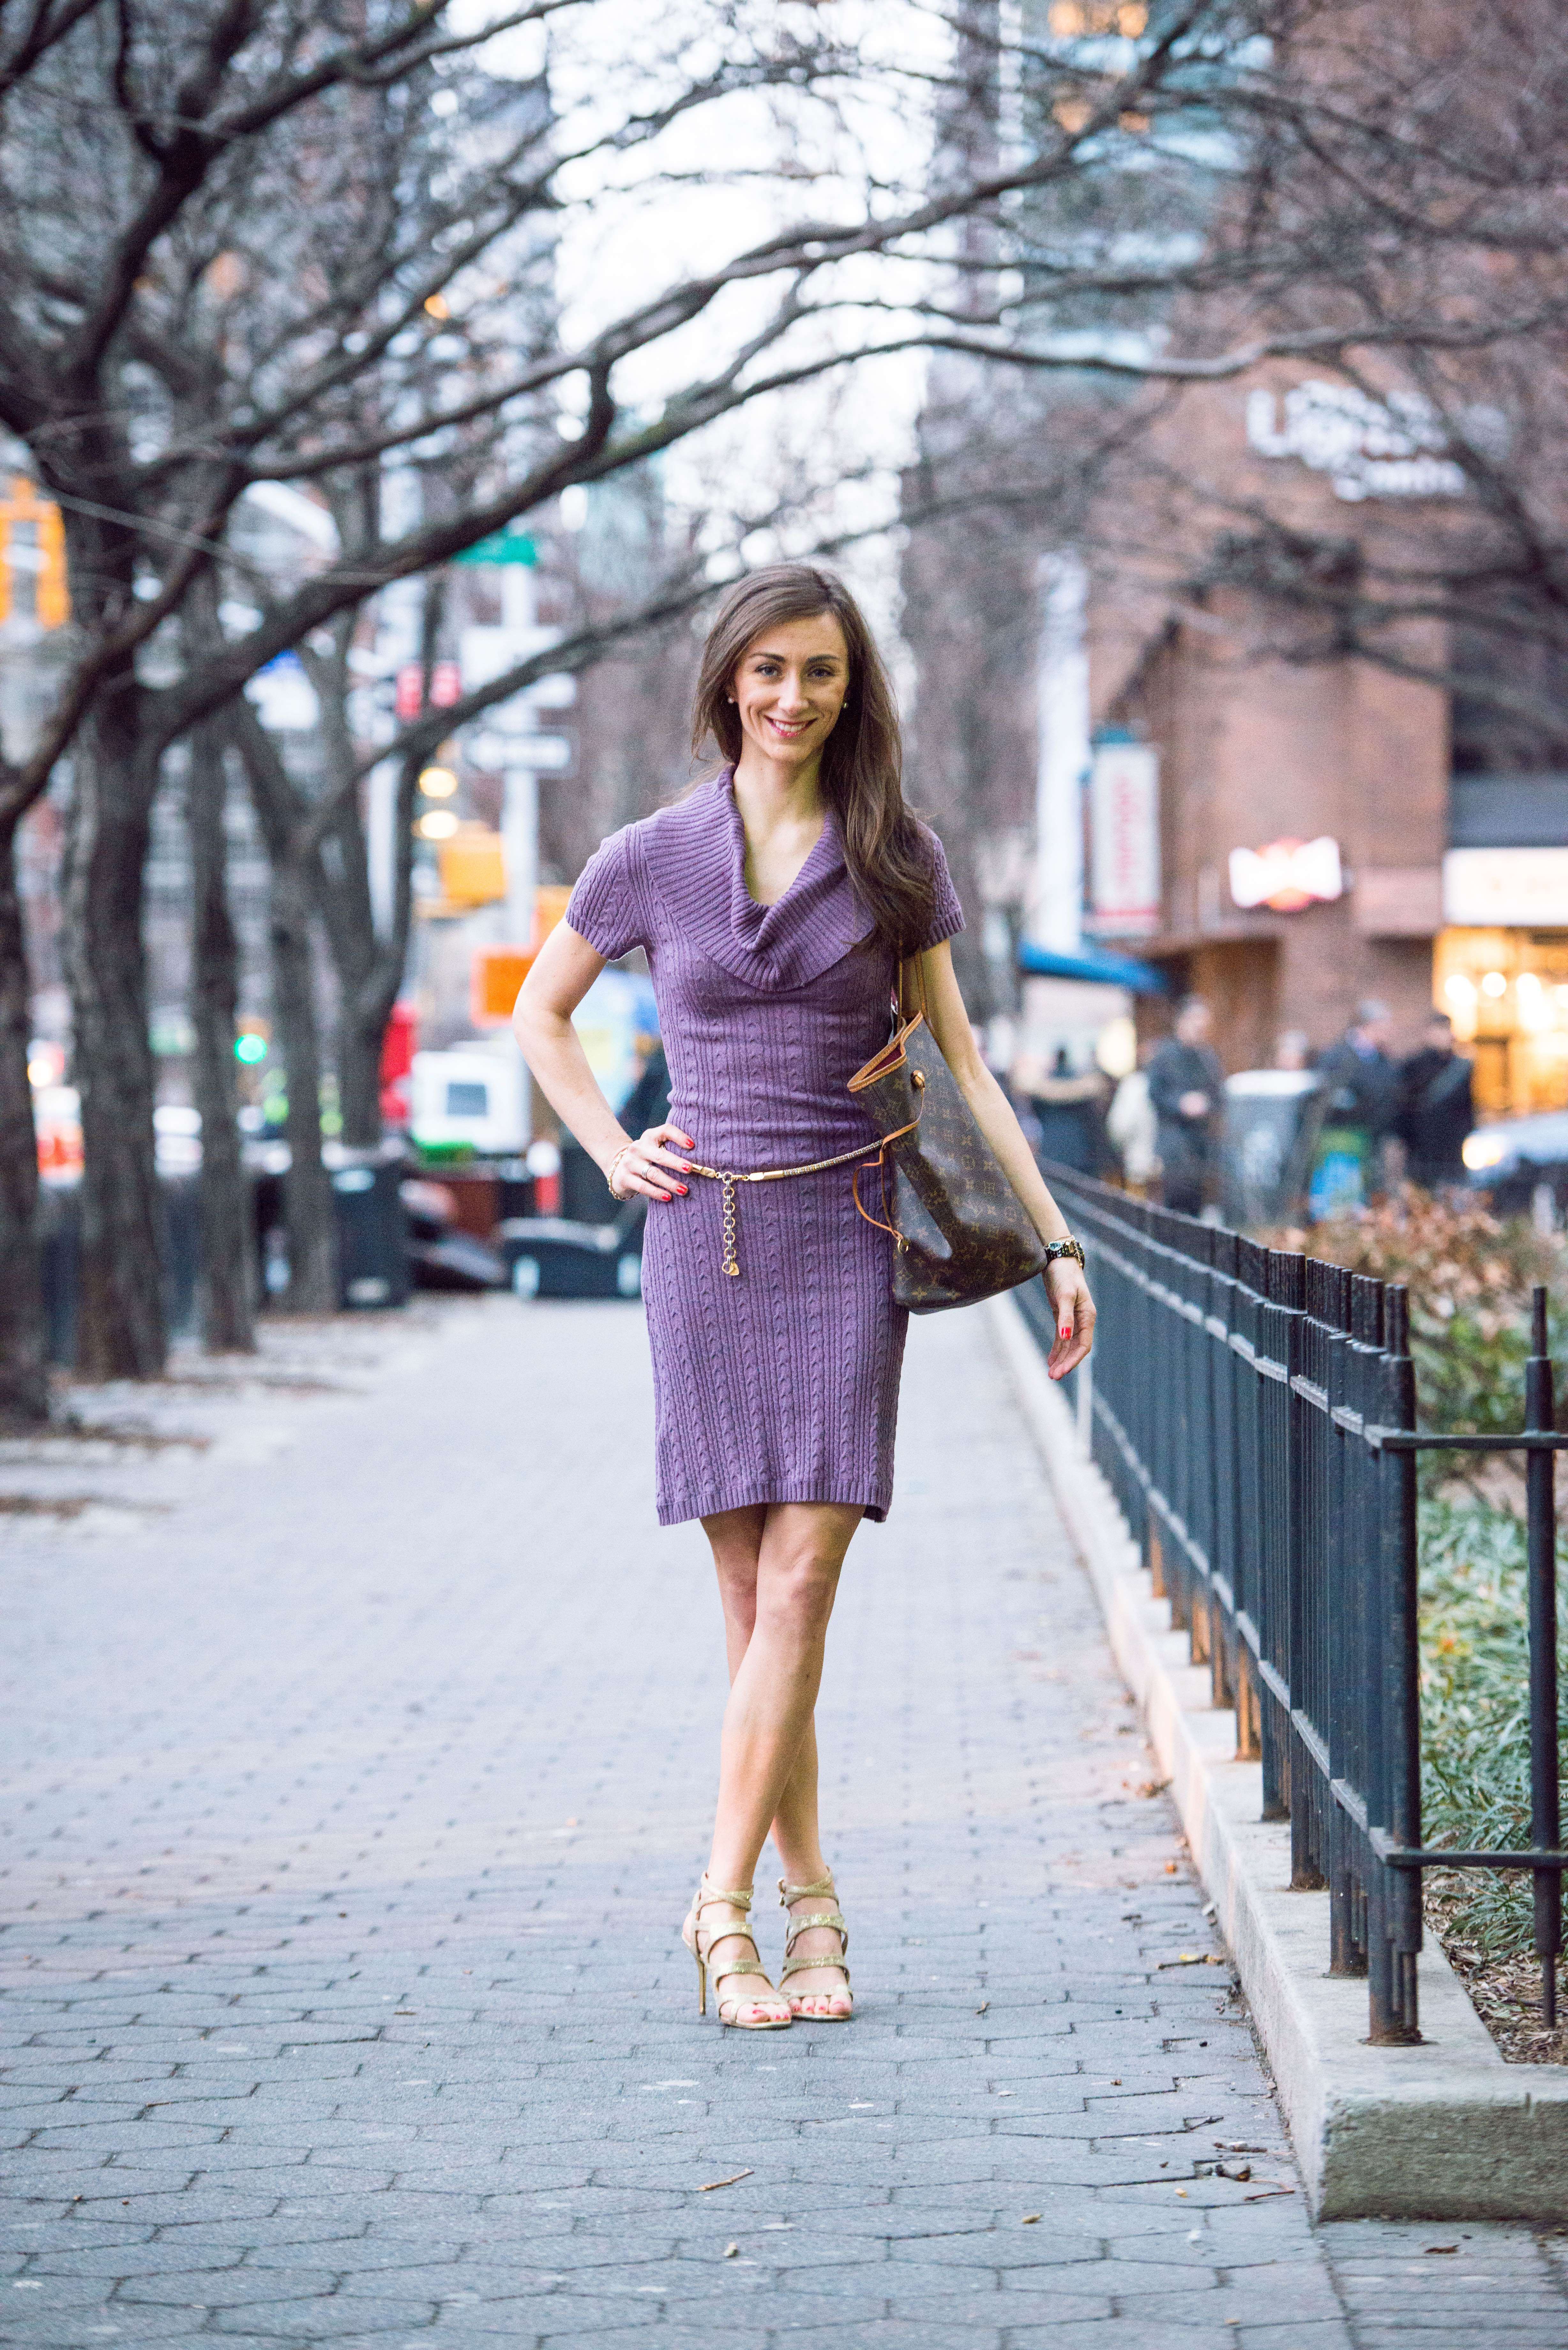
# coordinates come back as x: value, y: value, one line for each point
x: 698, y: 852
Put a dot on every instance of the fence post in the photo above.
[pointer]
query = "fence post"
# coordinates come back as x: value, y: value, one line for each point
x: 1287, y: 1289
x: 1344, y: 1562
x: 1545, y: 1807
x: 1394, y: 1895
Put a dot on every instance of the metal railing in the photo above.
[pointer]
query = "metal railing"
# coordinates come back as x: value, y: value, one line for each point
x: 1254, y: 1412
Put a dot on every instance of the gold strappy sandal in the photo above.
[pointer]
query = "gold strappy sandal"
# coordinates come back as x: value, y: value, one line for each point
x: 822, y: 1890
x: 692, y: 1935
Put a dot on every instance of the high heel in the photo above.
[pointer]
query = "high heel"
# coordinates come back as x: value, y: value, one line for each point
x: 821, y: 1890
x: 692, y: 1935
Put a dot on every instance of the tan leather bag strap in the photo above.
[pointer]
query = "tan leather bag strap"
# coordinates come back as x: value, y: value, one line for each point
x: 919, y: 962
x: 880, y: 1163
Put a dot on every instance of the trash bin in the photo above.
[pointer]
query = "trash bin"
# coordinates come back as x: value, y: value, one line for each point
x: 60, y: 1250
x: 1271, y: 1128
x: 372, y: 1231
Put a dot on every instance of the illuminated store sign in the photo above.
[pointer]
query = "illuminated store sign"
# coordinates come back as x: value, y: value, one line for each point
x: 1368, y: 448
x: 1287, y: 875
x: 1525, y: 889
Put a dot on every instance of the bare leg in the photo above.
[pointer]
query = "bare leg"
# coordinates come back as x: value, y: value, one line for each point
x: 778, y: 1572
x: 736, y: 1536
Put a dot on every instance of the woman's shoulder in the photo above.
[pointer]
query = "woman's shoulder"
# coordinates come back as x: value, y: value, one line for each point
x: 608, y: 904
x: 616, y: 904
x: 634, y: 844
x: 946, y: 915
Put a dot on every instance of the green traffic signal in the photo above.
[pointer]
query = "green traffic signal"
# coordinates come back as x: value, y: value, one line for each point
x: 250, y: 1047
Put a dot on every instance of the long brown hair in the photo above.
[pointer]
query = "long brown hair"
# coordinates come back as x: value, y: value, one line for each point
x: 885, y: 848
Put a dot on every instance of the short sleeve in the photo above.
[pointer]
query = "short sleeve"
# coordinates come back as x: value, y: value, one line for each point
x: 606, y: 907
x: 946, y: 914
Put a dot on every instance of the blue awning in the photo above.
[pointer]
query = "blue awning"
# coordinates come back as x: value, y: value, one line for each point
x: 1097, y: 965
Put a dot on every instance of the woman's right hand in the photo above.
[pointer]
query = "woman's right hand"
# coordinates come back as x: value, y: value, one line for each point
x: 637, y: 1168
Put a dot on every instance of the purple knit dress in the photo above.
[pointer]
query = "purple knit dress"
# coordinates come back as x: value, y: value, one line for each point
x: 782, y: 1386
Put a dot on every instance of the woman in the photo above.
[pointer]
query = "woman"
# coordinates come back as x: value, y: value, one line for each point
x: 777, y: 904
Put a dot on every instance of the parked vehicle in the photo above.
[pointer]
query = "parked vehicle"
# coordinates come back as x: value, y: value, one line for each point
x: 471, y: 1094
x: 551, y: 1256
x: 440, y: 1253
x: 1523, y: 1163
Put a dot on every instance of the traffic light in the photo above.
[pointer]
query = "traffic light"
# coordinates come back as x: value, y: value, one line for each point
x: 31, y: 556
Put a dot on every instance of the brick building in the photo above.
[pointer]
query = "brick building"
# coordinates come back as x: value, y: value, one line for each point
x: 1323, y: 831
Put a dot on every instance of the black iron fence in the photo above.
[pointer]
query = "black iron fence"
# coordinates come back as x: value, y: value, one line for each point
x: 1255, y: 1412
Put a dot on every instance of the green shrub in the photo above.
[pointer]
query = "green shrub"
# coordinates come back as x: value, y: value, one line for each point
x: 1469, y: 1276
x: 1475, y: 1712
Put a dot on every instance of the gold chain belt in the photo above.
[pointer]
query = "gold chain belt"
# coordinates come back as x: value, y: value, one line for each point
x: 729, y: 1179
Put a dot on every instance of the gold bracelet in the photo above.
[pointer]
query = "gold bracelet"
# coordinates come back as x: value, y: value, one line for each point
x: 614, y: 1162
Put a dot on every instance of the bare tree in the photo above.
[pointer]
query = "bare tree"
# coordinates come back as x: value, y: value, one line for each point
x: 226, y: 1302
x: 187, y: 198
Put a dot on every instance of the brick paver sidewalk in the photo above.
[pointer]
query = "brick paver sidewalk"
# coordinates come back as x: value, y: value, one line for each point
x: 357, y: 1790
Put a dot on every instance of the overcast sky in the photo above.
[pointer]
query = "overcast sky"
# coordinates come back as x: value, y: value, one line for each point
x: 718, y: 180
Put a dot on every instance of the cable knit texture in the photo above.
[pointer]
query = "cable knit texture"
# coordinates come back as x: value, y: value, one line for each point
x: 782, y: 1386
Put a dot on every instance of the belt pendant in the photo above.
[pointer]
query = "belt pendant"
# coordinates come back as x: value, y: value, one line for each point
x: 731, y: 1266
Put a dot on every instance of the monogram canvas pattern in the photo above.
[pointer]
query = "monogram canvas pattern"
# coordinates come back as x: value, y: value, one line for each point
x: 966, y: 1233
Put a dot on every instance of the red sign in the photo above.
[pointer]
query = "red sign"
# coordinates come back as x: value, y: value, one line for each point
x: 409, y: 698
x: 1287, y: 875
x: 446, y: 684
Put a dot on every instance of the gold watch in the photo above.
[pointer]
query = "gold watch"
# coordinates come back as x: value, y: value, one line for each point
x: 1066, y: 1247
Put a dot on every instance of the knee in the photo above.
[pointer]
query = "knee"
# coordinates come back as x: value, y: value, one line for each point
x: 797, y: 1594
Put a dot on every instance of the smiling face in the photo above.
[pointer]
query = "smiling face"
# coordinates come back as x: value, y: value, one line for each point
x: 789, y: 687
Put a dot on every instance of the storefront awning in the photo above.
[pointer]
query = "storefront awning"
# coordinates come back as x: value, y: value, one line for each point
x: 1096, y: 963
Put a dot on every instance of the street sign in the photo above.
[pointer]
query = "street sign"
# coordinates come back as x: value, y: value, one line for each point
x: 495, y: 975
x: 282, y: 696
x: 488, y: 653
x: 545, y: 754
x: 505, y: 547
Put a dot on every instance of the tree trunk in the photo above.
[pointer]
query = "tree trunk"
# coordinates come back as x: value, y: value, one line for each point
x: 360, y: 961
x: 24, y: 1335
x: 370, y: 969
x: 359, y: 1040
x: 121, y: 1330
x: 227, y: 1289
x: 308, y: 1190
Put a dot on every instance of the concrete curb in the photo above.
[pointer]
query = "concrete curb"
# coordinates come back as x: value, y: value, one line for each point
x: 1444, y: 2131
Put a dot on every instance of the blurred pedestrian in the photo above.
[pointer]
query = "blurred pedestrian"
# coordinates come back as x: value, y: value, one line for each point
x: 1186, y: 1085
x: 1436, y: 1107
x: 1068, y: 1107
x: 1364, y: 1091
x: 1133, y: 1126
x: 780, y: 904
